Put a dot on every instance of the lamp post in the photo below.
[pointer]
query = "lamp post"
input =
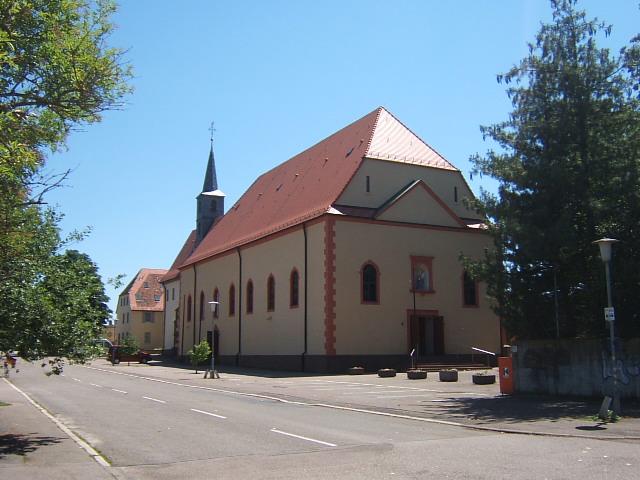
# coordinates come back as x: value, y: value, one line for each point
x: 605, y: 253
x: 214, y: 305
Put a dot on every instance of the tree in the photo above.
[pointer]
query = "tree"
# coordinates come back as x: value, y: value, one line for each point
x: 568, y: 173
x: 199, y: 353
x: 58, y: 72
x: 129, y: 345
x: 52, y: 304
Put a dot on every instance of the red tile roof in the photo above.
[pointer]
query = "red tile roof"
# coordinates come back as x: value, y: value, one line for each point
x: 307, y: 185
x: 185, y: 251
x: 143, y: 297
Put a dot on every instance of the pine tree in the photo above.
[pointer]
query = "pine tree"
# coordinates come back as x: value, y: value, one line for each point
x: 568, y: 171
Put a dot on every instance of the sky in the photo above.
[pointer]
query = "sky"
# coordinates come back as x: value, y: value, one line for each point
x: 277, y: 77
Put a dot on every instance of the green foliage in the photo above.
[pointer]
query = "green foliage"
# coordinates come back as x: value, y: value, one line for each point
x: 57, y: 72
x: 569, y: 170
x: 129, y: 345
x: 51, y: 303
x: 199, y: 353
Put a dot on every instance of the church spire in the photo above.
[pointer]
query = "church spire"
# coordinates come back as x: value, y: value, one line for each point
x: 210, y: 178
x: 211, y: 200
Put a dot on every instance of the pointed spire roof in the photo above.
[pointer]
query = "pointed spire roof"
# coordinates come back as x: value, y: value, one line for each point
x: 210, y: 177
x: 307, y: 185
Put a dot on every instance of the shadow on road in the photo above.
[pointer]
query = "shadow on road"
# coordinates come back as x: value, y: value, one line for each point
x: 525, y: 408
x: 18, y: 444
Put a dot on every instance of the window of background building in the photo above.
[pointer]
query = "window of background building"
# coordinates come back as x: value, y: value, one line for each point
x: 470, y: 290
x: 271, y: 293
x: 216, y: 298
x: 232, y: 300
x: 295, y: 288
x: 369, y: 283
x: 249, y: 296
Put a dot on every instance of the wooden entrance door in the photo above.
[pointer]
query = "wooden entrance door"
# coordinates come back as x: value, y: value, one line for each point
x: 426, y: 333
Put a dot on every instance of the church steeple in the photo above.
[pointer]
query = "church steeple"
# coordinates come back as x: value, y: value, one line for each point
x: 210, y: 201
x: 210, y: 178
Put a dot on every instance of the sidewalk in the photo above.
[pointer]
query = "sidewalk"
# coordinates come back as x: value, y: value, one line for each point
x: 31, y: 443
x: 33, y: 447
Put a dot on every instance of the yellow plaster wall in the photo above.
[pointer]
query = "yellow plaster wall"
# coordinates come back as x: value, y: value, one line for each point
x: 383, y: 328
x: 388, y: 178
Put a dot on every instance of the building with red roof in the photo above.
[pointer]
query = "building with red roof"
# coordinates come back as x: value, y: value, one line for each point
x: 140, y: 310
x: 346, y: 254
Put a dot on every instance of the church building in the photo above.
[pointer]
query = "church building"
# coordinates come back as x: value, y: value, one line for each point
x: 347, y: 254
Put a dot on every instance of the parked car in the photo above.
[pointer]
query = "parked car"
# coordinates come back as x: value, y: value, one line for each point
x: 116, y: 356
x: 104, y: 343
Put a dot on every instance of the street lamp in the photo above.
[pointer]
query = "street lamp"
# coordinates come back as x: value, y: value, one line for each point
x: 605, y: 253
x: 214, y: 305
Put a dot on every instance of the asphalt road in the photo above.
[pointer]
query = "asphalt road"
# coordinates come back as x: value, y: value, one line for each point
x: 155, y: 429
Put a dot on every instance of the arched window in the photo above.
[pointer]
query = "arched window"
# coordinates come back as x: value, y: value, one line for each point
x: 232, y: 300
x: 250, y: 296
x: 189, y: 308
x: 201, y: 306
x: 271, y: 293
x: 469, y: 290
x: 370, y: 283
x: 216, y: 298
x: 294, y: 289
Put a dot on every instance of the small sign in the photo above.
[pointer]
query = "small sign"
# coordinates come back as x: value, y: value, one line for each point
x: 609, y: 314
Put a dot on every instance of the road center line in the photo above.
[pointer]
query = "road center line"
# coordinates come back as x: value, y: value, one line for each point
x: 154, y: 399
x: 304, y: 438
x: 207, y: 413
x: 119, y: 391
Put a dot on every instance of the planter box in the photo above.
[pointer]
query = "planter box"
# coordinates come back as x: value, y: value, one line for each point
x: 416, y: 374
x: 356, y: 371
x: 483, y: 379
x: 448, y: 375
x: 386, y: 372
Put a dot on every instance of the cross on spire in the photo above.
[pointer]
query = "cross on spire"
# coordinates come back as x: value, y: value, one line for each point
x: 212, y: 129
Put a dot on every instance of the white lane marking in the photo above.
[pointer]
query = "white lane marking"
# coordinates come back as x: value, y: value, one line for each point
x: 154, y: 399
x: 304, y: 438
x: 207, y: 413
x: 119, y: 391
x: 95, y: 385
x: 77, y: 380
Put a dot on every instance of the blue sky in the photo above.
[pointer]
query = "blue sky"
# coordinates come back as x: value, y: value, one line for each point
x: 276, y: 77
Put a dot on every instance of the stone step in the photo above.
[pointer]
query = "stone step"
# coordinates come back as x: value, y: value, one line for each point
x: 435, y: 367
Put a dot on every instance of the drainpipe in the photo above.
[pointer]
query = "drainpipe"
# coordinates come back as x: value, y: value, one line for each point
x: 239, y: 306
x: 184, y: 308
x: 306, y: 279
x: 195, y: 278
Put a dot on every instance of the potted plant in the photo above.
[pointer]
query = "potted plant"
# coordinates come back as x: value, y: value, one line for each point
x: 448, y: 375
x: 387, y: 372
x: 356, y: 371
x: 483, y: 378
x: 416, y: 374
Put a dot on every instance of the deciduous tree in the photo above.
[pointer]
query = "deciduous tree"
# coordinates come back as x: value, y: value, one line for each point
x: 57, y: 72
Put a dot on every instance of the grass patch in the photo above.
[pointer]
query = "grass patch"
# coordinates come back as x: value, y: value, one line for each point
x: 609, y: 419
x: 3, y: 404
